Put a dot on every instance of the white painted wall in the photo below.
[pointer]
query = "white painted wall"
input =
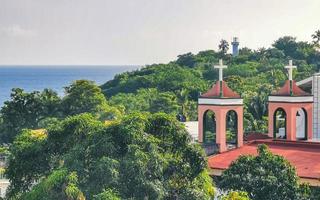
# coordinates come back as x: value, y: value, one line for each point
x: 220, y: 101
x: 192, y: 128
x: 4, y: 184
x: 315, y: 82
x: 300, y: 125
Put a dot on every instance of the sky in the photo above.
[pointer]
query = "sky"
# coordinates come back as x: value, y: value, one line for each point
x: 138, y: 32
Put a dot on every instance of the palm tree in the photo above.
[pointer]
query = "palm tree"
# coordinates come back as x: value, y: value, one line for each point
x: 223, y: 46
x: 183, y: 100
x: 316, y: 37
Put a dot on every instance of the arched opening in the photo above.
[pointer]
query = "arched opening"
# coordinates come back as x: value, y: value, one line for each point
x: 209, y: 127
x: 301, y: 124
x: 280, y: 121
x: 231, y: 129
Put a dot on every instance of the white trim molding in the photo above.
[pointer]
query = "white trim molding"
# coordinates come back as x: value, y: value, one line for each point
x: 304, y: 81
x: 291, y: 99
x: 209, y: 101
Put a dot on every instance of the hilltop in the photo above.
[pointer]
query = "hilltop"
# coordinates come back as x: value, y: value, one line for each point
x: 174, y: 87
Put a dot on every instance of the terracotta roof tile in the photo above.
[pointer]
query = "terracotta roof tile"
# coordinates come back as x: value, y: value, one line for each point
x: 305, y: 156
x: 215, y: 91
x: 285, y: 90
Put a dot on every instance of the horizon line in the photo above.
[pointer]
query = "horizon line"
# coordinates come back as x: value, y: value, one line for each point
x: 70, y: 65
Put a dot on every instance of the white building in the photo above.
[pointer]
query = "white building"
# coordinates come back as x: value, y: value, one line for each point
x: 312, y: 84
x: 4, y: 182
x: 192, y: 128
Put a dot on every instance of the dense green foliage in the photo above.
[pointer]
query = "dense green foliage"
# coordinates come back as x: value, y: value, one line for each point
x: 264, y: 177
x: 71, y: 156
x: 236, y: 195
x: 38, y: 109
x: 136, y: 157
x: 27, y: 110
x: 58, y: 185
x: 83, y: 96
x: 175, y: 86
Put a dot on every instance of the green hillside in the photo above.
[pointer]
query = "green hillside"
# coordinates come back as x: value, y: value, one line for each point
x: 174, y: 87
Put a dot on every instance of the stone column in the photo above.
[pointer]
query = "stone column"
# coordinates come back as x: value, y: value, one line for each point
x: 221, y: 130
x: 240, y: 127
x: 200, y: 124
x: 291, y: 123
x: 309, y: 110
x: 270, y: 120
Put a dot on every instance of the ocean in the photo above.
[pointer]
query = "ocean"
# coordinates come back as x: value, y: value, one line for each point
x: 31, y: 78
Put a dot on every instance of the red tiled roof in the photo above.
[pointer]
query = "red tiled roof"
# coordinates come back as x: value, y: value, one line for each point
x: 285, y: 90
x: 215, y: 91
x: 304, y: 156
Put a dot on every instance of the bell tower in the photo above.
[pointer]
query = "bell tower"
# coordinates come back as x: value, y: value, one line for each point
x: 220, y: 109
x: 290, y: 111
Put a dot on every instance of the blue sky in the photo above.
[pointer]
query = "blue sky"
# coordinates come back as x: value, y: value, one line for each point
x: 137, y: 32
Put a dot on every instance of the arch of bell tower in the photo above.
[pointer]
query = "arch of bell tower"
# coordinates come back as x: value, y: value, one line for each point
x: 220, y: 99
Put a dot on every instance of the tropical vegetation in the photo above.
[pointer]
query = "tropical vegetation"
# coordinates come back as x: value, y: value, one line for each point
x: 141, y: 156
x: 122, y: 140
x: 174, y: 87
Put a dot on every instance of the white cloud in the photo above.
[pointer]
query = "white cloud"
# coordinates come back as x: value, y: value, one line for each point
x: 17, y: 31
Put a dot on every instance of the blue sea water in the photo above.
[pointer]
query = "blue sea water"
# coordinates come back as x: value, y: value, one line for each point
x: 32, y: 78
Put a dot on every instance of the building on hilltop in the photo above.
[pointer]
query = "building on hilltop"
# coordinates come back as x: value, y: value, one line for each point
x: 235, y: 46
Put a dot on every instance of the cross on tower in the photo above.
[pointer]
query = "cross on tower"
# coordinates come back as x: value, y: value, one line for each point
x: 220, y: 67
x: 290, y: 68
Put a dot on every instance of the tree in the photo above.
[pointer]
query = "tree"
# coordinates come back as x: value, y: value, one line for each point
x: 294, y: 49
x: 147, y: 100
x: 37, y: 109
x: 26, y: 110
x: 257, y: 105
x: 164, y: 102
x: 287, y: 44
x: 107, y: 195
x: 139, y: 156
x: 223, y: 46
x: 235, y: 195
x: 186, y: 60
x: 59, y: 185
x: 83, y: 96
x: 28, y: 161
x: 51, y: 103
x: 245, y: 51
x: 244, y: 70
x: 316, y: 37
x: 265, y: 176
x: 183, y: 101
